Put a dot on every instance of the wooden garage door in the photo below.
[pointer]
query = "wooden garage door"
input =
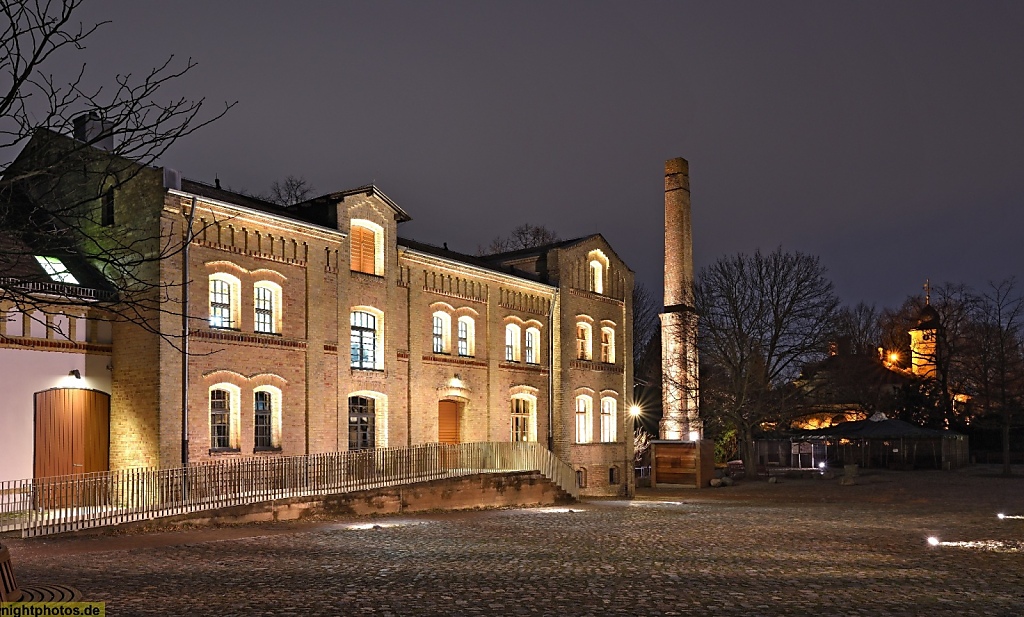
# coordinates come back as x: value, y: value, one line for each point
x: 448, y: 422
x: 72, y: 433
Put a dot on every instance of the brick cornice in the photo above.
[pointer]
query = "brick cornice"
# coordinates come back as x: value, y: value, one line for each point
x: 248, y: 339
x: 39, y: 343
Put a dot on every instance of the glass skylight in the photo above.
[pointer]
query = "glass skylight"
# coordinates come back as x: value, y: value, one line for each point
x: 57, y: 270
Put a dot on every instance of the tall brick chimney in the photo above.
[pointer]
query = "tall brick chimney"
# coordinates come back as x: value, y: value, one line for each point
x: 679, y: 321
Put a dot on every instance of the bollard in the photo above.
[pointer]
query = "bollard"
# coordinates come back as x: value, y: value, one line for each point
x: 9, y: 591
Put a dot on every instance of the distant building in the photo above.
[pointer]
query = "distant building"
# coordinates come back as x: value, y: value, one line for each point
x: 316, y: 328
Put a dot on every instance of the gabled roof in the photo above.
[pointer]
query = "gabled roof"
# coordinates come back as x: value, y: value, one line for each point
x: 368, y: 189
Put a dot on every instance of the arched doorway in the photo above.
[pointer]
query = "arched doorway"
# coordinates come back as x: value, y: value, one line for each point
x: 72, y: 432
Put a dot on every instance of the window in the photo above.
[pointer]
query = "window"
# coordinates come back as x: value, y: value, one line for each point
x: 467, y: 336
x: 442, y: 333
x: 608, y: 419
x: 57, y: 270
x: 608, y: 345
x: 598, y: 268
x: 361, y: 423
x: 583, y: 341
x: 367, y: 243
x: 224, y: 301
x: 512, y: 334
x: 532, y: 346
x: 267, y: 305
x: 220, y: 419
x: 584, y: 419
x: 262, y: 412
x: 365, y: 338
x: 524, y: 418
x: 581, y: 477
x: 613, y: 475
x: 107, y: 209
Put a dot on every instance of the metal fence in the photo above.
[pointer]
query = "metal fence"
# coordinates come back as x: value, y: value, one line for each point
x: 68, y: 503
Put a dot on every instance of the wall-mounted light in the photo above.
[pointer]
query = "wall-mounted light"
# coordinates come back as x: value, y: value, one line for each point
x: 75, y: 373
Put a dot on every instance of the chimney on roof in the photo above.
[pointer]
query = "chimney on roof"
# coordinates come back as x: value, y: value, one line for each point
x: 92, y: 129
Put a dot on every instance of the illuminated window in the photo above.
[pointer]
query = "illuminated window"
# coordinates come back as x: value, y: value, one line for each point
x: 598, y: 268
x: 367, y: 243
x: 584, y: 342
x: 361, y: 423
x: 524, y: 418
x: 57, y: 270
x: 584, y: 419
x: 532, y: 346
x: 267, y: 305
x: 267, y: 417
x: 365, y: 343
x: 608, y: 345
x: 224, y: 300
x: 224, y: 418
x: 467, y: 336
x: 608, y: 419
x: 512, y: 335
x: 442, y: 332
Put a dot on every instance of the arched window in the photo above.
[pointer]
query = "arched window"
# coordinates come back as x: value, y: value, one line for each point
x: 367, y: 340
x: 609, y: 409
x: 524, y: 417
x: 584, y: 419
x: 584, y: 341
x: 225, y: 300
x: 367, y: 244
x: 266, y: 409
x: 512, y: 336
x: 598, y: 267
x: 362, y: 423
x: 467, y: 336
x: 532, y: 346
x: 267, y: 307
x: 608, y: 345
x: 225, y: 420
x: 442, y: 333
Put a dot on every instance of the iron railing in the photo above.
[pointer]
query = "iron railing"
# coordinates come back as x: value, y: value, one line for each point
x: 68, y: 503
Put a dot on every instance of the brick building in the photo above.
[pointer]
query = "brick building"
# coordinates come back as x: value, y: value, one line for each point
x: 316, y: 328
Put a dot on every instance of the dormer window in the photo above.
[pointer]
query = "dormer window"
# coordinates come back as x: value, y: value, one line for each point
x: 367, y: 244
x: 57, y: 270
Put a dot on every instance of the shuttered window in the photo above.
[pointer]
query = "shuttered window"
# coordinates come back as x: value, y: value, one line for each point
x: 363, y: 250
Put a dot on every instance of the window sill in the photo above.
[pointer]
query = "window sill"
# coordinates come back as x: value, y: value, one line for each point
x: 267, y: 333
x: 225, y: 328
x: 221, y: 451
x: 366, y: 370
x: 372, y: 275
x: 266, y: 449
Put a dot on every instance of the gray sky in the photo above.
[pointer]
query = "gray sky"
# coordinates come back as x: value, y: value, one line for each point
x: 887, y: 138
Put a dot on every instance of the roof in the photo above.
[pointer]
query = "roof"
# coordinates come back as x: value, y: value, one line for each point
x: 873, y: 428
x: 928, y: 318
x: 479, y: 262
x: 367, y: 189
x: 297, y: 212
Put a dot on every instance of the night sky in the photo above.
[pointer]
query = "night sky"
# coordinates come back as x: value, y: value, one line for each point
x: 887, y: 138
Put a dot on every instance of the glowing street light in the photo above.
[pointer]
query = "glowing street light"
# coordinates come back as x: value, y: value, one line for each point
x: 894, y: 357
x: 634, y: 411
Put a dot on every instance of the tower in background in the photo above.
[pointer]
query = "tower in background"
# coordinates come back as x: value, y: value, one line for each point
x: 680, y: 420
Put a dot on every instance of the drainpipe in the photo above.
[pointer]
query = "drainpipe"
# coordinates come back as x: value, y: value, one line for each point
x: 184, y: 340
x: 551, y: 374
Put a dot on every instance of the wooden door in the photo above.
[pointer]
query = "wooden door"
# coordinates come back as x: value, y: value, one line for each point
x: 72, y: 432
x: 448, y: 422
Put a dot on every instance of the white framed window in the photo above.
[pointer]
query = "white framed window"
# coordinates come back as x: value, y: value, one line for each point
x: 467, y: 336
x: 584, y: 419
x: 608, y: 345
x: 441, y: 335
x: 367, y: 247
x: 56, y: 269
x: 367, y: 339
x: 584, y: 341
x: 367, y: 420
x: 225, y: 300
x: 609, y: 408
x: 532, y: 346
x: 524, y: 417
x: 266, y: 410
x: 267, y: 307
x: 513, y: 333
x: 225, y: 419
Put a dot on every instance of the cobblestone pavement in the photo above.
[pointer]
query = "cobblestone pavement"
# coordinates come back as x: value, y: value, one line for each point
x: 799, y: 547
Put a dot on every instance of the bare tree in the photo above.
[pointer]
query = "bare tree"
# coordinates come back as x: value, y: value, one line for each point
x: 994, y: 358
x: 762, y: 317
x: 646, y: 328
x: 524, y: 236
x: 52, y: 193
x: 859, y: 325
x: 288, y: 192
